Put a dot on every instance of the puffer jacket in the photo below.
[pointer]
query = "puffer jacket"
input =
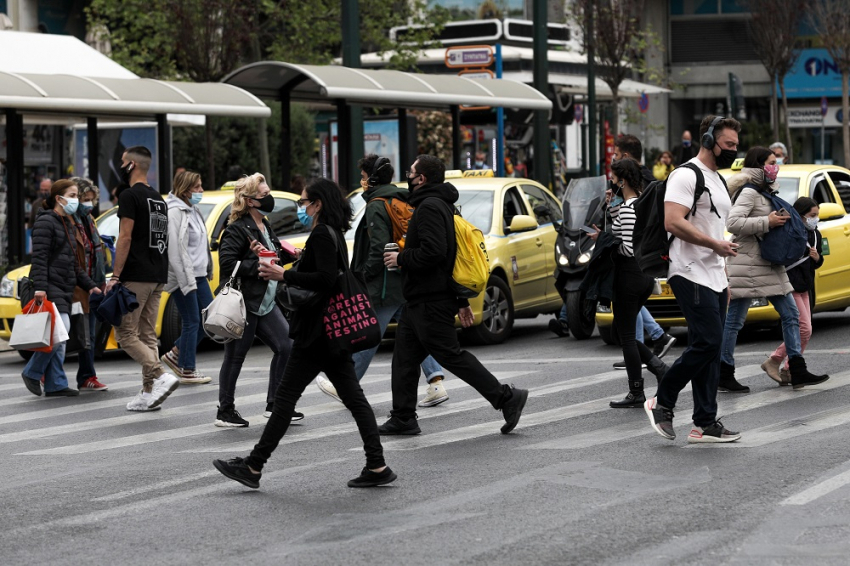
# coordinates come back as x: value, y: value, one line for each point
x: 181, y: 274
x: 750, y: 276
x: 55, y: 269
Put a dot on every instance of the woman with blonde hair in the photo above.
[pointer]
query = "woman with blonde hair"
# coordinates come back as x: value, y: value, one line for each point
x: 247, y: 235
x: 189, y: 271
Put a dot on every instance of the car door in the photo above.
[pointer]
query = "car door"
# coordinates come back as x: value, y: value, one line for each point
x: 523, y: 260
x: 537, y: 197
x: 833, y: 278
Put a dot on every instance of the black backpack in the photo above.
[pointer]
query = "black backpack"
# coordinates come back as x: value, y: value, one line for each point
x: 651, y: 242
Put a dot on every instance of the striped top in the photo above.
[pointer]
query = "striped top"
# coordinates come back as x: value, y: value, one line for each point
x: 624, y: 225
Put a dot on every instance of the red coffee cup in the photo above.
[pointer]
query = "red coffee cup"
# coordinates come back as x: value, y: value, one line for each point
x: 268, y: 257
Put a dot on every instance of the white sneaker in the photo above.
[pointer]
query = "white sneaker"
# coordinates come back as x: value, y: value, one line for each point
x: 326, y: 387
x: 142, y: 402
x: 162, y: 388
x: 435, y: 395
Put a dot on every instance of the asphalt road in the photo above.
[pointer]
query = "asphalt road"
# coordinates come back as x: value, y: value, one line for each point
x: 85, y: 481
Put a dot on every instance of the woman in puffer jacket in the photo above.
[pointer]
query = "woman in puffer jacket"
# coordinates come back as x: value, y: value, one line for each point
x: 751, y: 276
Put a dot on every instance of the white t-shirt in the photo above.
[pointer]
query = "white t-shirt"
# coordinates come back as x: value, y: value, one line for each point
x: 697, y: 263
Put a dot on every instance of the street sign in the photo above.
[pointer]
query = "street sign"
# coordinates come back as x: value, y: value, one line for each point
x: 469, y: 56
x: 477, y: 74
x: 824, y: 106
x: 643, y: 103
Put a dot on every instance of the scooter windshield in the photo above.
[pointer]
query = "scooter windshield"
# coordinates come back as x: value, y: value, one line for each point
x: 583, y: 202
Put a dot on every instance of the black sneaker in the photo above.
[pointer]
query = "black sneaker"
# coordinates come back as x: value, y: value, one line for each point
x: 661, y: 418
x: 712, y: 434
x: 559, y: 328
x: 512, y: 408
x: 33, y: 385
x: 622, y: 365
x: 67, y: 392
x: 368, y: 478
x: 237, y: 470
x: 229, y: 418
x: 661, y: 346
x: 397, y: 426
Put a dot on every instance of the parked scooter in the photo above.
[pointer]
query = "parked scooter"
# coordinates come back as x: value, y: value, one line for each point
x: 583, y: 206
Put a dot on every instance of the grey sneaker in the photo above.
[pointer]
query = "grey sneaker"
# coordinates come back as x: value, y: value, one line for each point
x: 712, y: 434
x: 661, y: 418
x: 661, y: 346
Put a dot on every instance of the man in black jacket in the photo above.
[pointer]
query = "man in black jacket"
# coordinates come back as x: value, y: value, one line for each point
x: 427, y: 323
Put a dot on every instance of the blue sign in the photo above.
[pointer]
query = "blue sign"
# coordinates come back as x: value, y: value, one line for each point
x: 643, y: 102
x: 815, y: 75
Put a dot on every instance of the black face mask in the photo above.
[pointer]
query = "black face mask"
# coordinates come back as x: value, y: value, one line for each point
x: 124, y: 170
x: 410, y: 184
x: 726, y: 158
x: 266, y: 203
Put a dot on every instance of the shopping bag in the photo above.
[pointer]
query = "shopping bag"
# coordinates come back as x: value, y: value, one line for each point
x: 79, y: 334
x: 33, y: 328
x: 60, y: 333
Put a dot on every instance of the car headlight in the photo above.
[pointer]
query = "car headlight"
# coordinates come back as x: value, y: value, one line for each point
x: 584, y: 258
x: 7, y: 287
x: 760, y: 302
x: 563, y: 260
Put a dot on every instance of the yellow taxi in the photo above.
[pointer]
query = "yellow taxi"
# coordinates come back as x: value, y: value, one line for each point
x: 829, y: 186
x: 215, y: 207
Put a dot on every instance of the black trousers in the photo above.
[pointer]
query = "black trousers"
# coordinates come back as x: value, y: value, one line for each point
x: 428, y: 328
x: 632, y: 287
x: 305, y: 363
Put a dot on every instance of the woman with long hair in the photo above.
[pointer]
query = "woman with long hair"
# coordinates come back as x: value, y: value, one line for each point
x: 247, y: 235
x: 55, y: 272
x: 189, y: 271
x: 324, y: 255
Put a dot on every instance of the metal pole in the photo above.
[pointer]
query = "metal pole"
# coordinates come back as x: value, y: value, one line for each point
x: 285, y: 139
x: 16, y: 190
x: 163, y: 144
x: 593, y: 164
x: 542, y: 141
x: 822, y: 135
x: 500, y: 121
x: 354, y: 115
x: 93, y: 150
x: 344, y: 159
x: 405, y: 158
x: 457, y: 143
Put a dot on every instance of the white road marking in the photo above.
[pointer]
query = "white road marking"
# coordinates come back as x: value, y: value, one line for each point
x: 818, y: 490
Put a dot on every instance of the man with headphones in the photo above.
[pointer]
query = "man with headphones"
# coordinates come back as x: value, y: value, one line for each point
x: 373, y: 233
x: 697, y: 276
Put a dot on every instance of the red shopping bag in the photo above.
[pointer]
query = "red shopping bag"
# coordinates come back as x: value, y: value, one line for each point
x: 45, y: 306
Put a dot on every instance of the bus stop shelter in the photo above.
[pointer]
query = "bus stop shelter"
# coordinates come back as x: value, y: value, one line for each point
x: 349, y: 90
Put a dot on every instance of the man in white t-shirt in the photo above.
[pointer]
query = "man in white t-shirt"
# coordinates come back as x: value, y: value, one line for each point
x: 697, y: 276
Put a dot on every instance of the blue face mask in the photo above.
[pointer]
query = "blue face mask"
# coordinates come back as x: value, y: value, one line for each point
x: 305, y: 219
x: 196, y: 198
x: 70, y: 206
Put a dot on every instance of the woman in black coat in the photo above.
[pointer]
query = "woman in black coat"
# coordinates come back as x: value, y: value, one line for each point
x: 329, y: 216
x: 247, y: 235
x: 55, y: 271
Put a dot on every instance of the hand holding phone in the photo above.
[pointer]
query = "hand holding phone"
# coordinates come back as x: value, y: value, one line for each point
x: 782, y: 212
x: 588, y: 229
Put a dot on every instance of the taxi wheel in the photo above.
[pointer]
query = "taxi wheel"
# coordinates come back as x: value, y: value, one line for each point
x: 497, y: 318
x: 25, y: 354
x: 172, y: 326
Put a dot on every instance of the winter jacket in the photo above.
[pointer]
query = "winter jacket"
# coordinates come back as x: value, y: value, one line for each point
x: 112, y: 307
x: 598, y: 282
x: 90, y: 254
x: 236, y: 246
x: 181, y: 274
x: 55, y: 269
x: 646, y: 176
x: 661, y: 171
x: 802, y: 277
x: 373, y: 233
x: 750, y: 276
x: 430, y: 247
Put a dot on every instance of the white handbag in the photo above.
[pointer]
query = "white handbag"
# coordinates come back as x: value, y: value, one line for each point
x: 225, y: 318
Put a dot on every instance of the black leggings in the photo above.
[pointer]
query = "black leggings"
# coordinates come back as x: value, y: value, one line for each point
x: 632, y: 287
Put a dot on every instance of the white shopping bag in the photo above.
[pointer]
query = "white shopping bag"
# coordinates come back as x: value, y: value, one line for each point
x: 31, y: 331
x: 60, y: 333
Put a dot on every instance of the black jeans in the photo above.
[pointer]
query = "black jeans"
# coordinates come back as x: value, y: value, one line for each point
x: 632, y: 287
x: 304, y: 365
x: 705, y: 311
x: 428, y: 328
x: 273, y: 330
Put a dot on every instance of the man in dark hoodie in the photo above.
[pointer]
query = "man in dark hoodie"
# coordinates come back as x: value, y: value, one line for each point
x: 373, y: 233
x: 428, y: 317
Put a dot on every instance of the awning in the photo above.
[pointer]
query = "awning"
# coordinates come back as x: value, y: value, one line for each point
x: 82, y: 95
x: 381, y: 88
x: 577, y: 84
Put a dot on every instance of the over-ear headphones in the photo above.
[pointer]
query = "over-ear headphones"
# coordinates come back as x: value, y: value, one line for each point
x: 380, y: 163
x: 708, y: 140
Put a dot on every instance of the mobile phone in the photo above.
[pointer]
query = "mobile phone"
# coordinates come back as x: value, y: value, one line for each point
x: 588, y: 229
x: 782, y: 212
x: 287, y: 247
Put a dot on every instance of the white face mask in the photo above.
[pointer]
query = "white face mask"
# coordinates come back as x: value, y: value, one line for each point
x: 811, y: 222
x: 780, y: 160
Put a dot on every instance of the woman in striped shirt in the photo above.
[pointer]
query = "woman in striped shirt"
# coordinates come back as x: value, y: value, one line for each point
x: 632, y: 286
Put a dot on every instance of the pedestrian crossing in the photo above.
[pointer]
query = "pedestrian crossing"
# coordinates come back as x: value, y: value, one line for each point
x: 185, y: 423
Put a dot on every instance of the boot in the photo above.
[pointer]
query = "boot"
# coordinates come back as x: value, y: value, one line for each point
x: 800, y: 376
x: 785, y: 376
x: 657, y: 368
x: 728, y: 383
x: 771, y: 368
x: 633, y: 399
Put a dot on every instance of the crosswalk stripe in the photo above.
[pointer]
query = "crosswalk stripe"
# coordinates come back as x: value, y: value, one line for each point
x: 819, y: 489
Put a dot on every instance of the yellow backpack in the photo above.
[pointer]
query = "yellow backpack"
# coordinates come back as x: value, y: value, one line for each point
x: 472, y: 264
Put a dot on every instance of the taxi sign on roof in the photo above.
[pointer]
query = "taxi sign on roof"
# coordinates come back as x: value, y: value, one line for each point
x: 479, y: 173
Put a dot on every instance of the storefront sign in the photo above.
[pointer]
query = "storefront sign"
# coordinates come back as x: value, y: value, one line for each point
x: 810, y: 117
x: 467, y: 57
x: 814, y: 75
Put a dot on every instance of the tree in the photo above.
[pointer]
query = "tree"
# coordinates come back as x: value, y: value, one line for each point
x: 831, y: 20
x: 774, y: 32
x: 617, y: 41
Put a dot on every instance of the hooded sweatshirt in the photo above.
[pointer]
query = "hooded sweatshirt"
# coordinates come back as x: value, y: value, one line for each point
x: 188, y: 251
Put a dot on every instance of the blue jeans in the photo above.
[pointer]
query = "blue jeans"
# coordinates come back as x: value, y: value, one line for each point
x: 562, y: 316
x: 789, y: 317
x: 85, y: 358
x: 646, y: 322
x: 50, y: 365
x: 190, y: 306
x: 430, y: 367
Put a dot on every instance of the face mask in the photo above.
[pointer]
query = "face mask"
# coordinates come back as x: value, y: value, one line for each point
x: 770, y: 173
x: 726, y: 158
x: 812, y: 223
x: 196, y: 198
x: 44, y: 195
x: 305, y: 219
x: 364, y: 184
x: 70, y: 206
x: 86, y: 208
x: 686, y: 143
x: 780, y: 161
x: 410, y: 184
x: 125, y: 173
x: 266, y: 203
x: 479, y: 164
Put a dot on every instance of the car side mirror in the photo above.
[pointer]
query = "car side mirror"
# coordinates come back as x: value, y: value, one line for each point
x: 831, y: 211
x: 523, y: 223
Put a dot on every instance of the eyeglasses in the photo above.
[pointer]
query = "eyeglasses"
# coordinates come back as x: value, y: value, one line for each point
x: 411, y: 173
x: 301, y: 201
